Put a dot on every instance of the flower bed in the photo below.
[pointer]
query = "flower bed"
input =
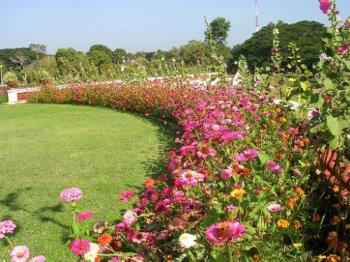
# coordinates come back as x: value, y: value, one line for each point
x: 233, y: 186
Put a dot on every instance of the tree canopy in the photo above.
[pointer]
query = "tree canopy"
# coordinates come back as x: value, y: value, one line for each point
x: 305, y: 34
x: 218, y: 29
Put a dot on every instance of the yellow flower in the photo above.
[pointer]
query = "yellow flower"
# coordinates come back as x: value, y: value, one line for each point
x: 282, y: 223
x: 238, y: 193
x: 336, y: 189
x: 297, y: 245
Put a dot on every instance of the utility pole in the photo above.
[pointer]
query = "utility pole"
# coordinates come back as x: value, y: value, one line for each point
x: 2, y: 81
x: 257, y: 26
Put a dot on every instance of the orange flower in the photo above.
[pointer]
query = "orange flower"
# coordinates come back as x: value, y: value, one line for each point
x: 240, y: 170
x: 332, y: 239
x: 104, y: 239
x: 336, y: 189
x: 292, y: 202
x: 335, y: 220
x: 333, y: 258
x: 282, y: 223
x: 149, y: 182
x: 300, y: 192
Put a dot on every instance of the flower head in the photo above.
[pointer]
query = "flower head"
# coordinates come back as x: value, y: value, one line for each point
x: 6, y: 227
x: 19, y: 254
x: 230, y: 208
x: 187, y: 240
x: 130, y: 217
x: 80, y: 247
x: 223, y: 232
x: 126, y: 195
x: 246, y: 155
x: 104, y: 239
x: 191, y: 178
x: 38, y: 259
x: 84, y: 215
x: 282, y: 223
x: 274, y: 208
x: 92, y: 254
x: 238, y: 193
x: 325, y: 5
x: 273, y: 167
x: 71, y: 194
x: 226, y: 173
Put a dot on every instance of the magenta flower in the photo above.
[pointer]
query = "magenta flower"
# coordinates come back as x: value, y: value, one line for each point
x: 233, y: 135
x: 38, y: 259
x: 19, y: 254
x: 84, y: 215
x: 343, y: 49
x: 71, y: 194
x: 325, y: 5
x: 274, y: 208
x: 273, y: 167
x: 126, y: 195
x: 191, y: 178
x: 226, y: 174
x: 6, y: 227
x: 140, y: 237
x: 223, y: 232
x: 246, y: 155
x: 80, y: 247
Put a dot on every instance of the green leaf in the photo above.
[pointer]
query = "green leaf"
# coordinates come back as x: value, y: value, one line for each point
x: 328, y: 83
x: 263, y: 157
x: 336, y: 127
x: 305, y: 85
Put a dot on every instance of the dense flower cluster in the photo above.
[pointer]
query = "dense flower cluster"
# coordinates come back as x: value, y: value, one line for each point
x: 236, y: 155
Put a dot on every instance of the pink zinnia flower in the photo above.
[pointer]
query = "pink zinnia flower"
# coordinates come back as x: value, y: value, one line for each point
x: 126, y: 195
x: 233, y: 135
x: 19, y: 254
x: 226, y: 174
x: 6, y: 227
x: 223, y: 232
x: 71, y: 194
x: 80, y: 247
x: 246, y: 155
x: 273, y: 167
x: 38, y: 259
x: 84, y: 215
x: 191, y: 178
x: 230, y: 208
x: 130, y: 217
x: 325, y: 5
x: 140, y: 237
x: 274, y: 208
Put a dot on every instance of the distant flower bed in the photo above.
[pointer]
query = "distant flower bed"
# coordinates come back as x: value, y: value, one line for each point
x: 233, y: 188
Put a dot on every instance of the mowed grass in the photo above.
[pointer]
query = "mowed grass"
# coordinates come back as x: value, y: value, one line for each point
x: 46, y: 148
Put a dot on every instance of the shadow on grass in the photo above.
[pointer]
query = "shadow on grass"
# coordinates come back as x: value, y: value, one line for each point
x: 11, y: 201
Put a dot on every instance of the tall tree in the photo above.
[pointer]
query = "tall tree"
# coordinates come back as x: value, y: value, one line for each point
x: 39, y: 48
x: 218, y: 29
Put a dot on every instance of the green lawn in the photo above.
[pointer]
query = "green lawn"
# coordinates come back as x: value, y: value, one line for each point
x: 46, y: 148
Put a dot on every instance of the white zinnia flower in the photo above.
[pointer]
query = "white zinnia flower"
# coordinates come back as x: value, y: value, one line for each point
x: 92, y: 254
x: 187, y: 240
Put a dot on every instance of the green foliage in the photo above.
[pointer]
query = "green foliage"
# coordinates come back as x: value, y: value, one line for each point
x: 119, y: 56
x: 257, y: 49
x: 17, y: 58
x: 218, y: 29
x: 10, y: 77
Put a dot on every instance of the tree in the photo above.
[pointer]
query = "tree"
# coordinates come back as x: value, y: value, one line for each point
x: 102, y: 48
x: 195, y: 53
x: 73, y: 64
x: 100, y: 59
x: 119, y: 56
x: 218, y: 29
x: 39, y: 48
x: 257, y: 49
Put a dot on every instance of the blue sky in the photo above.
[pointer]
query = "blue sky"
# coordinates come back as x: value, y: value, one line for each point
x: 140, y: 24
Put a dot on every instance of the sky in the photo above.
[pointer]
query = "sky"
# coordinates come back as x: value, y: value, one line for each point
x: 140, y: 25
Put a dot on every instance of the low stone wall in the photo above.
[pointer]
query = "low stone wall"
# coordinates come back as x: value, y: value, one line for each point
x: 20, y: 95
